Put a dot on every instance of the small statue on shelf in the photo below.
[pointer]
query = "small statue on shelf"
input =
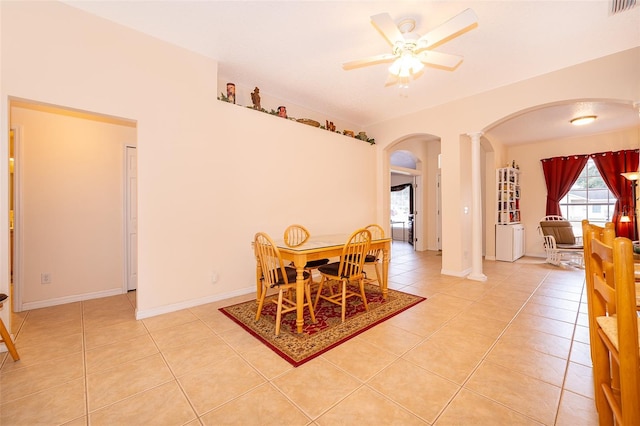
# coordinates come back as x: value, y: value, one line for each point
x: 330, y: 126
x: 282, y: 111
x: 255, y: 98
x: 231, y: 93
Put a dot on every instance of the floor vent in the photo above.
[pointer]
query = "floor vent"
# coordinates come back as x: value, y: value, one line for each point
x: 618, y: 6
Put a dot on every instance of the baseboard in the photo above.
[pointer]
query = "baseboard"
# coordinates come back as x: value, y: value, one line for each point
x: 70, y: 299
x: 477, y: 277
x: 147, y: 313
x: 460, y: 274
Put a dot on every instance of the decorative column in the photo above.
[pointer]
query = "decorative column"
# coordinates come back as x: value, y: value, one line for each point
x: 476, y: 210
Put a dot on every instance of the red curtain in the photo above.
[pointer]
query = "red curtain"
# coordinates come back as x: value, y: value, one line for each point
x: 561, y: 173
x: 611, y: 165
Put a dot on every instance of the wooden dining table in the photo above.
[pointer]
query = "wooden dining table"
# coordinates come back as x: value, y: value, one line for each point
x: 321, y: 247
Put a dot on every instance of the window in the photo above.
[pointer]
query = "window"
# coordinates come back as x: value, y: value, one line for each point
x: 400, y: 205
x: 589, y: 198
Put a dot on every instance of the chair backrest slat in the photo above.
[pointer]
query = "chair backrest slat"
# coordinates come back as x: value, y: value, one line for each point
x: 599, y: 267
x: 376, y: 233
x: 354, y: 253
x: 270, y: 260
x: 295, y: 235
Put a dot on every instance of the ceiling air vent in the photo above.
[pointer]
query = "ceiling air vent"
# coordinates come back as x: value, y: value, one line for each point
x: 618, y: 6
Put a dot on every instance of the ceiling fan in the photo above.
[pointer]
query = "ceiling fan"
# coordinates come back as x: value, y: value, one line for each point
x: 410, y: 51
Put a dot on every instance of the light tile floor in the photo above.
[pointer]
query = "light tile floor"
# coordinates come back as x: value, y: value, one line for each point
x: 511, y: 350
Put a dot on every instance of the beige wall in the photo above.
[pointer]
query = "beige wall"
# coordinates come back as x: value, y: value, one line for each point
x: 534, y: 190
x: 71, y: 206
x: 210, y: 174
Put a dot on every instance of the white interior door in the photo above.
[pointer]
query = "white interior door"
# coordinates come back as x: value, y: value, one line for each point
x: 131, y: 207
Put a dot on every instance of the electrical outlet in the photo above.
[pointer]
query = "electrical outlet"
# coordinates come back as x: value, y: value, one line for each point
x: 214, y: 277
x: 45, y: 278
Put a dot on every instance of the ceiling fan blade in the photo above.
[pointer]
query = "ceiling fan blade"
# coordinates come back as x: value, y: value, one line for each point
x: 438, y: 59
x: 372, y: 60
x: 455, y: 26
x: 387, y: 28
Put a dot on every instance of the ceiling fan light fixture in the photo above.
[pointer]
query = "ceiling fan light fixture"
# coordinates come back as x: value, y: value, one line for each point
x: 581, y: 121
x: 406, y: 65
x: 407, y: 44
x: 417, y: 64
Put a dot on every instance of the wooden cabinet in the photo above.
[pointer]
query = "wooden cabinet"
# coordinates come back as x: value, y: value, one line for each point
x: 509, y: 242
x: 508, y: 195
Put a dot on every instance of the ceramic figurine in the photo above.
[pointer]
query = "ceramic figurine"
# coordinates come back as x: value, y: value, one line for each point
x: 231, y: 92
x: 255, y: 98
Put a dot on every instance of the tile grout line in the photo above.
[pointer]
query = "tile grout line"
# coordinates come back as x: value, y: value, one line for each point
x: 175, y: 378
x: 568, y: 363
x: 484, y: 357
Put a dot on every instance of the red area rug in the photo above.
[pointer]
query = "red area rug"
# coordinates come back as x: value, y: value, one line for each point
x: 328, y: 332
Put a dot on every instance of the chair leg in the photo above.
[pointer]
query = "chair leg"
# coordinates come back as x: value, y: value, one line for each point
x: 315, y: 303
x: 279, y: 312
x: 6, y: 338
x: 363, y: 295
x: 602, y: 378
x: 378, y: 274
x: 261, y: 303
x: 307, y: 292
x: 344, y: 298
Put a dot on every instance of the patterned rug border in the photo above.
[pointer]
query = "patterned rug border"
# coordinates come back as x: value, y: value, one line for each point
x: 392, y: 296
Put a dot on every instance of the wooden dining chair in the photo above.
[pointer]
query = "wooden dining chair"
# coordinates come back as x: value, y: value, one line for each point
x: 276, y: 275
x: 599, y: 233
x: 373, y: 256
x: 348, y: 269
x: 5, y: 337
x: 614, y: 342
x: 296, y: 235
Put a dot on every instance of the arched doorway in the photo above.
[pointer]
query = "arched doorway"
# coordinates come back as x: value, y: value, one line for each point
x: 414, y: 159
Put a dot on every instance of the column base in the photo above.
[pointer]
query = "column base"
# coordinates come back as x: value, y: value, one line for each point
x: 477, y: 277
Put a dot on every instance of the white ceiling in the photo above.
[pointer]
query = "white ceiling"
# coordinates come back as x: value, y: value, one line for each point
x: 294, y: 50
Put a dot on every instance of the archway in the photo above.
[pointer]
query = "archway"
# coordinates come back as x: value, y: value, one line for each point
x: 542, y: 131
x: 424, y: 151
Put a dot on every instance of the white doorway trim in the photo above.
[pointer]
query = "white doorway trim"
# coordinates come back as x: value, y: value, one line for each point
x: 17, y: 257
x: 130, y: 218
